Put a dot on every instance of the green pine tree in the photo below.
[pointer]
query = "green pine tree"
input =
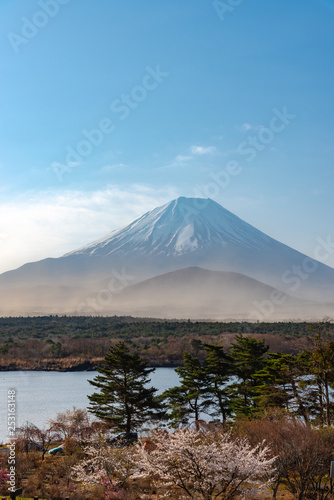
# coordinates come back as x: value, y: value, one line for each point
x: 124, y: 401
x: 218, y: 370
x: 280, y: 384
x: 247, y: 356
x: 319, y: 366
x: 192, y: 397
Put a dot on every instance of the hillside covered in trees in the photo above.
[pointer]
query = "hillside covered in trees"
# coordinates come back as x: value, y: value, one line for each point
x: 80, y: 343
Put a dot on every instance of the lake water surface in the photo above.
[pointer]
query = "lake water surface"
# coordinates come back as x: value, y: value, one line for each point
x: 41, y: 395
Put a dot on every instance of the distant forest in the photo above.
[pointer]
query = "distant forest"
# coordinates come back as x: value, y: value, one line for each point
x: 81, y: 342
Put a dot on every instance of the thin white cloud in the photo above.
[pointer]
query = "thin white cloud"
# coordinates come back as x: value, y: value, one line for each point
x: 247, y: 127
x: 182, y: 160
x: 200, y: 150
x: 179, y: 161
x: 49, y: 224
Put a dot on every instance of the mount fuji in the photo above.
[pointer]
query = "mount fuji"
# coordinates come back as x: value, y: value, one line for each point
x: 192, y: 241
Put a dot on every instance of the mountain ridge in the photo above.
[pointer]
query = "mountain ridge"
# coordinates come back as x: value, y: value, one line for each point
x: 184, y: 233
x: 184, y: 214
x: 212, y: 294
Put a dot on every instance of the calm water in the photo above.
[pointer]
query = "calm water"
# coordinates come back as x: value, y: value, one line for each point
x: 41, y: 395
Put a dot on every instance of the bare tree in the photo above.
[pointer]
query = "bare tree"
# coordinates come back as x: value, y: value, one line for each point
x: 74, y: 424
x: 303, y: 453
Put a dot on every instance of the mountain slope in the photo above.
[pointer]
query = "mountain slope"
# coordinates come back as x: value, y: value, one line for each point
x: 197, y: 293
x: 181, y: 226
x: 200, y: 232
x: 187, y: 232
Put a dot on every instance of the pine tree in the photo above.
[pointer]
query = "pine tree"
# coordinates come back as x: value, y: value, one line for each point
x: 124, y: 401
x: 279, y: 384
x: 192, y: 397
x: 218, y: 370
x: 247, y: 356
x: 319, y: 366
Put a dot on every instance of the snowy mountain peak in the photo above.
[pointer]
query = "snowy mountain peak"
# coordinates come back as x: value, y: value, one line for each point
x: 181, y: 226
x: 184, y: 234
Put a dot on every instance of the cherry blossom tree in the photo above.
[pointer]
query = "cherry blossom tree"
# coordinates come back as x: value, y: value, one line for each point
x: 104, y: 465
x: 204, y: 464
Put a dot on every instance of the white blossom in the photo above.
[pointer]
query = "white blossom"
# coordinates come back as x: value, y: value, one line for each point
x: 203, y: 463
x: 104, y: 462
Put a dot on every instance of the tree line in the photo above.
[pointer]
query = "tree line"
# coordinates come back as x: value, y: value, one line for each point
x: 129, y: 328
x: 65, y: 343
x: 243, y: 381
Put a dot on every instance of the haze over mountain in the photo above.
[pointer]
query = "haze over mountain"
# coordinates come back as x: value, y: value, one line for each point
x: 194, y: 292
x: 187, y: 233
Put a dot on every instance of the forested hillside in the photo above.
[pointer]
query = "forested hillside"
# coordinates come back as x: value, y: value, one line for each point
x: 80, y: 343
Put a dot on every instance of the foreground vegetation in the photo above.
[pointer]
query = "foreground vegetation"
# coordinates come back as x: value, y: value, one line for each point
x: 80, y: 343
x: 274, y: 456
x: 243, y: 423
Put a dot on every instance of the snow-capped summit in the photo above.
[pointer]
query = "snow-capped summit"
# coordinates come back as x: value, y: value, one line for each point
x: 199, y: 232
x: 184, y: 234
x: 178, y: 227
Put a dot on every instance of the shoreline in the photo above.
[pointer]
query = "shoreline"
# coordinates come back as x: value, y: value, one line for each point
x: 91, y: 368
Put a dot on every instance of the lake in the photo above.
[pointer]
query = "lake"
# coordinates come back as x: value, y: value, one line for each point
x: 41, y: 395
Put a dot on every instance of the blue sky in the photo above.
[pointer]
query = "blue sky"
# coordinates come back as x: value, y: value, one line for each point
x: 110, y: 108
